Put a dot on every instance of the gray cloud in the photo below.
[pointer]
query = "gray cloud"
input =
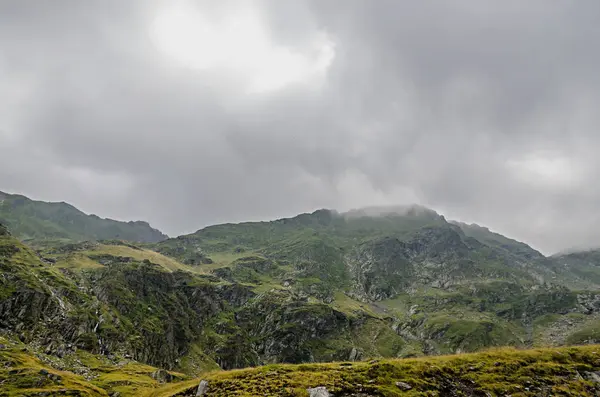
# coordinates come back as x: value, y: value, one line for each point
x: 485, y: 111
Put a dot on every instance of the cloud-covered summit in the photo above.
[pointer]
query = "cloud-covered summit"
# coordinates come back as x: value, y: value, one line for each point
x: 485, y: 111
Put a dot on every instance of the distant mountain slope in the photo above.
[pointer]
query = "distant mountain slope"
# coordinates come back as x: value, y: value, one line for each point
x: 29, y: 219
x: 583, y: 264
x: 376, y: 253
x: 497, y: 240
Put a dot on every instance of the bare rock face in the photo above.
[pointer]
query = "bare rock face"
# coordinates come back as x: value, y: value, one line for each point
x: 320, y: 391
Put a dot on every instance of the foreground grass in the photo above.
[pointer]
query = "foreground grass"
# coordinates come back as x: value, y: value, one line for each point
x: 566, y: 371
x: 500, y: 372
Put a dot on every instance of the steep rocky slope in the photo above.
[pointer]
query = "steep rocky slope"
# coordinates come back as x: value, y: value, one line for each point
x: 156, y: 310
x: 444, y: 287
x: 29, y: 219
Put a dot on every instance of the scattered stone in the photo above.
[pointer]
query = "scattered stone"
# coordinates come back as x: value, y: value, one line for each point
x: 55, y: 378
x: 202, y: 388
x: 403, y: 386
x: 2, y: 347
x: 60, y: 352
x: 373, y: 361
x: 162, y: 376
x: 593, y: 377
x: 320, y: 391
x: 43, y: 372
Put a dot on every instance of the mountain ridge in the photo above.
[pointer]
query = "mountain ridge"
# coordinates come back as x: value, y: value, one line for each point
x: 367, y: 211
x: 31, y: 219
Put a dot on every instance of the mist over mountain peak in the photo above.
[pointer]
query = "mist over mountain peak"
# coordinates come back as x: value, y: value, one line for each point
x: 387, y: 210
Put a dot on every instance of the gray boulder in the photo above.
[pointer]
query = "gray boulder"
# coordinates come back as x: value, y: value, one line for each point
x: 202, y: 388
x: 320, y: 391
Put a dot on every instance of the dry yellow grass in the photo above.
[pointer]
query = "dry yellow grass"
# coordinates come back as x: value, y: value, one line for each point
x: 167, y: 263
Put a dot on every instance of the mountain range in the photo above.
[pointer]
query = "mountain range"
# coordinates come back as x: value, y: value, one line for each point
x: 93, y: 296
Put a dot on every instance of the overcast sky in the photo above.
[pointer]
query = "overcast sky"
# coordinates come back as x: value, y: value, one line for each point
x: 189, y: 113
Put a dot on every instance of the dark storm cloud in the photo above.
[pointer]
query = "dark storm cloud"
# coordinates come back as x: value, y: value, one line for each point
x: 486, y: 111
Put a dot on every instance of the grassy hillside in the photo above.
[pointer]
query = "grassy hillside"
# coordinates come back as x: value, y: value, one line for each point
x: 497, y: 240
x: 584, y: 264
x: 27, y: 372
x: 37, y: 220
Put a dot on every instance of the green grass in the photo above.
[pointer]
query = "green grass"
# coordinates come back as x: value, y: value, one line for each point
x: 352, y: 307
x: 196, y: 361
x: 498, y: 372
x: 173, y: 389
x: 589, y: 334
x: 143, y: 254
x: 23, y: 373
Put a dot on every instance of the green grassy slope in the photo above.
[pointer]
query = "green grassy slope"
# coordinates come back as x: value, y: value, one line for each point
x: 29, y: 219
